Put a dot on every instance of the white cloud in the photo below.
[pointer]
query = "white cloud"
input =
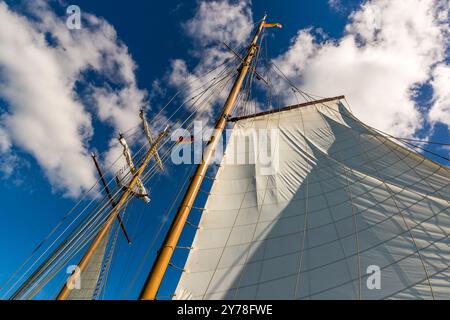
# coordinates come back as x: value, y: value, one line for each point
x: 214, y: 22
x: 44, y: 115
x: 8, y: 159
x: 120, y: 108
x: 440, y: 111
x: 217, y: 21
x: 336, y: 5
x: 5, y: 142
x: 8, y: 163
x: 389, y: 48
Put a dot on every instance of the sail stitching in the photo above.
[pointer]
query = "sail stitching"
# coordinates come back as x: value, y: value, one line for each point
x: 343, y: 237
x: 264, y: 244
x: 401, y: 213
x: 355, y: 222
x: 226, y: 243
x: 365, y: 276
x: 305, y: 221
x: 405, y: 188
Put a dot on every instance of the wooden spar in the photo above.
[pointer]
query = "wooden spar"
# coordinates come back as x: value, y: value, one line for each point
x: 301, y: 105
x: 150, y: 139
x: 114, y: 213
x: 129, y: 159
x: 110, y: 197
x: 162, y: 261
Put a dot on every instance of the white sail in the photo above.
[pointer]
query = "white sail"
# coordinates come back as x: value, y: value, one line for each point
x: 90, y: 275
x: 339, y: 203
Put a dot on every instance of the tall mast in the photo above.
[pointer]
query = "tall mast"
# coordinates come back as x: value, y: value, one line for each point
x: 113, y: 215
x: 110, y: 197
x: 159, y: 268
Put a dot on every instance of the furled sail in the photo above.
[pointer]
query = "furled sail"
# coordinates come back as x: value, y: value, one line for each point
x: 332, y: 205
x: 140, y: 190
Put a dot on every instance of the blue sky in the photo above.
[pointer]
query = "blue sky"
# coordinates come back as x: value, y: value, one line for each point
x: 322, y: 59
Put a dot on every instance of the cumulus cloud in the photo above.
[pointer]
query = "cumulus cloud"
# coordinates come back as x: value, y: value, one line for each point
x: 217, y: 21
x: 440, y: 111
x: 41, y: 62
x: 389, y: 49
x: 5, y: 143
x: 336, y: 5
x: 214, y: 22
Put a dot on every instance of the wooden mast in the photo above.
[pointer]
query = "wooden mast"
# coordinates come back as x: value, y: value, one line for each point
x: 156, y: 275
x: 110, y: 197
x: 113, y: 215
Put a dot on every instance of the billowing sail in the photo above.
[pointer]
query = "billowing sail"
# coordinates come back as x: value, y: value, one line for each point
x: 331, y: 209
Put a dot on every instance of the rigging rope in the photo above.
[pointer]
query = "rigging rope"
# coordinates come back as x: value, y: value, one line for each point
x: 309, y: 97
x: 99, y: 211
